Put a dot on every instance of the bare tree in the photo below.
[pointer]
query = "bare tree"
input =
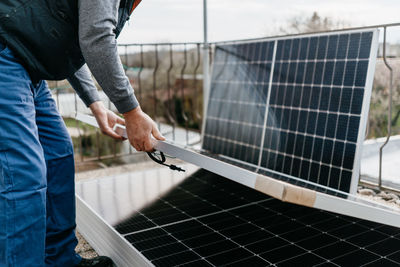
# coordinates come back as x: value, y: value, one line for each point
x: 315, y: 23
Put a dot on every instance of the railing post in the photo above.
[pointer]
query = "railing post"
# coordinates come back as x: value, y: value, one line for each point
x: 155, y: 84
x: 206, y: 62
x: 197, y: 114
x: 140, y: 72
x: 183, y: 113
x: 171, y: 117
x: 390, y: 107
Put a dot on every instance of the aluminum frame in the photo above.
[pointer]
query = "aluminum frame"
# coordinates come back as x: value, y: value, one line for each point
x: 105, y: 239
x: 364, y: 112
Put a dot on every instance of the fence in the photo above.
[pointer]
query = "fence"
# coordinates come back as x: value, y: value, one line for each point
x: 167, y: 78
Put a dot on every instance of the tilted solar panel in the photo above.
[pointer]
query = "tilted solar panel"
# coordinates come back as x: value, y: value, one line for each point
x: 294, y: 105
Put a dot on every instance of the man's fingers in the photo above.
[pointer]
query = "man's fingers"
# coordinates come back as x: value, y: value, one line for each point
x: 120, y: 120
x: 108, y: 131
x: 148, y: 146
x: 157, y: 135
x: 137, y: 147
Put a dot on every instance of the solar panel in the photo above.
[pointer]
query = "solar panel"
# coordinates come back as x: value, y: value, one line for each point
x: 294, y: 105
x: 204, y: 220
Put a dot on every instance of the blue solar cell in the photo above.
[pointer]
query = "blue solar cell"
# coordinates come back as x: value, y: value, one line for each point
x: 287, y: 49
x: 295, y: 51
x: 324, y: 98
x: 338, y: 154
x: 332, y: 46
x: 322, y: 47
x: 332, y: 125
x: 309, y: 73
x: 312, y: 51
x: 327, y: 152
x: 365, y: 49
x: 361, y: 76
x: 354, y: 46
x: 342, y: 46
x: 304, y: 42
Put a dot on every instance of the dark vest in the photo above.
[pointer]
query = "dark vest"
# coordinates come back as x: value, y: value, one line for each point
x: 44, y: 35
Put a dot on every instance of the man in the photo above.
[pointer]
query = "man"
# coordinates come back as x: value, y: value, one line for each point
x: 53, y: 39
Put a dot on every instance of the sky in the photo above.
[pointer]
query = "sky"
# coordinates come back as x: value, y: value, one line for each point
x: 182, y: 20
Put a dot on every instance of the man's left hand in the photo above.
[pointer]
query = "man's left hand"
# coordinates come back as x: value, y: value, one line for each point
x: 106, y: 119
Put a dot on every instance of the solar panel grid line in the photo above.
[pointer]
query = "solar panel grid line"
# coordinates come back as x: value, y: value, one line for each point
x: 290, y: 117
x: 267, y: 102
x: 365, y: 108
x: 293, y: 84
x: 208, y: 96
x: 268, y: 94
x: 234, y: 75
x: 348, y: 121
x: 271, y: 128
x: 315, y: 110
x: 248, y: 74
x: 326, y: 122
x: 239, y: 72
x: 301, y: 96
x: 277, y: 152
x: 318, y: 114
x: 234, y: 102
x: 284, y: 97
x: 306, y: 134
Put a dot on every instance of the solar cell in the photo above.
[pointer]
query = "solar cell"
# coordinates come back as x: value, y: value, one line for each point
x: 296, y: 105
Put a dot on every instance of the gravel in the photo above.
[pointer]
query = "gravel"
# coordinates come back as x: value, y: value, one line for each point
x: 83, y: 248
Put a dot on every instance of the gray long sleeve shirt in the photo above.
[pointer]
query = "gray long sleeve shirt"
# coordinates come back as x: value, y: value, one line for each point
x: 97, y: 21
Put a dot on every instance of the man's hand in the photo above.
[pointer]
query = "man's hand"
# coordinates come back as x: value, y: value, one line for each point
x: 106, y: 119
x: 139, y: 128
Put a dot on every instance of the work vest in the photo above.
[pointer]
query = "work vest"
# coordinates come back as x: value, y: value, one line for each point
x: 44, y: 34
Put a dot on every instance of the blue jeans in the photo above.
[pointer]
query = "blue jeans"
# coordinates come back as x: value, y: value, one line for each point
x: 37, y: 199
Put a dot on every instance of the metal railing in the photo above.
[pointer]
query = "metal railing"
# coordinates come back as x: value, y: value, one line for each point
x: 167, y: 80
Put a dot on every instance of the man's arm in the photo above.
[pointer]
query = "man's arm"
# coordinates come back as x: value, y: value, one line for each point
x: 97, y: 21
x: 84, y: 86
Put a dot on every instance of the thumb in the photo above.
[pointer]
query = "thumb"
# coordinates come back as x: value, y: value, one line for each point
x: 157, y: 135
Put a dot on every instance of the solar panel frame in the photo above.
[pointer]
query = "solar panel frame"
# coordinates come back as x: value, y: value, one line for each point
x: 366, y: 98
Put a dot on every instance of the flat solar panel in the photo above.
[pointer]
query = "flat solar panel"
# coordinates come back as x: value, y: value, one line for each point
x: 294, y: 105
x: 205, y: 220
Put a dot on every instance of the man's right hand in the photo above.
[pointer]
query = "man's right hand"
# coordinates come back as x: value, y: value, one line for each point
x: 139, y: 128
